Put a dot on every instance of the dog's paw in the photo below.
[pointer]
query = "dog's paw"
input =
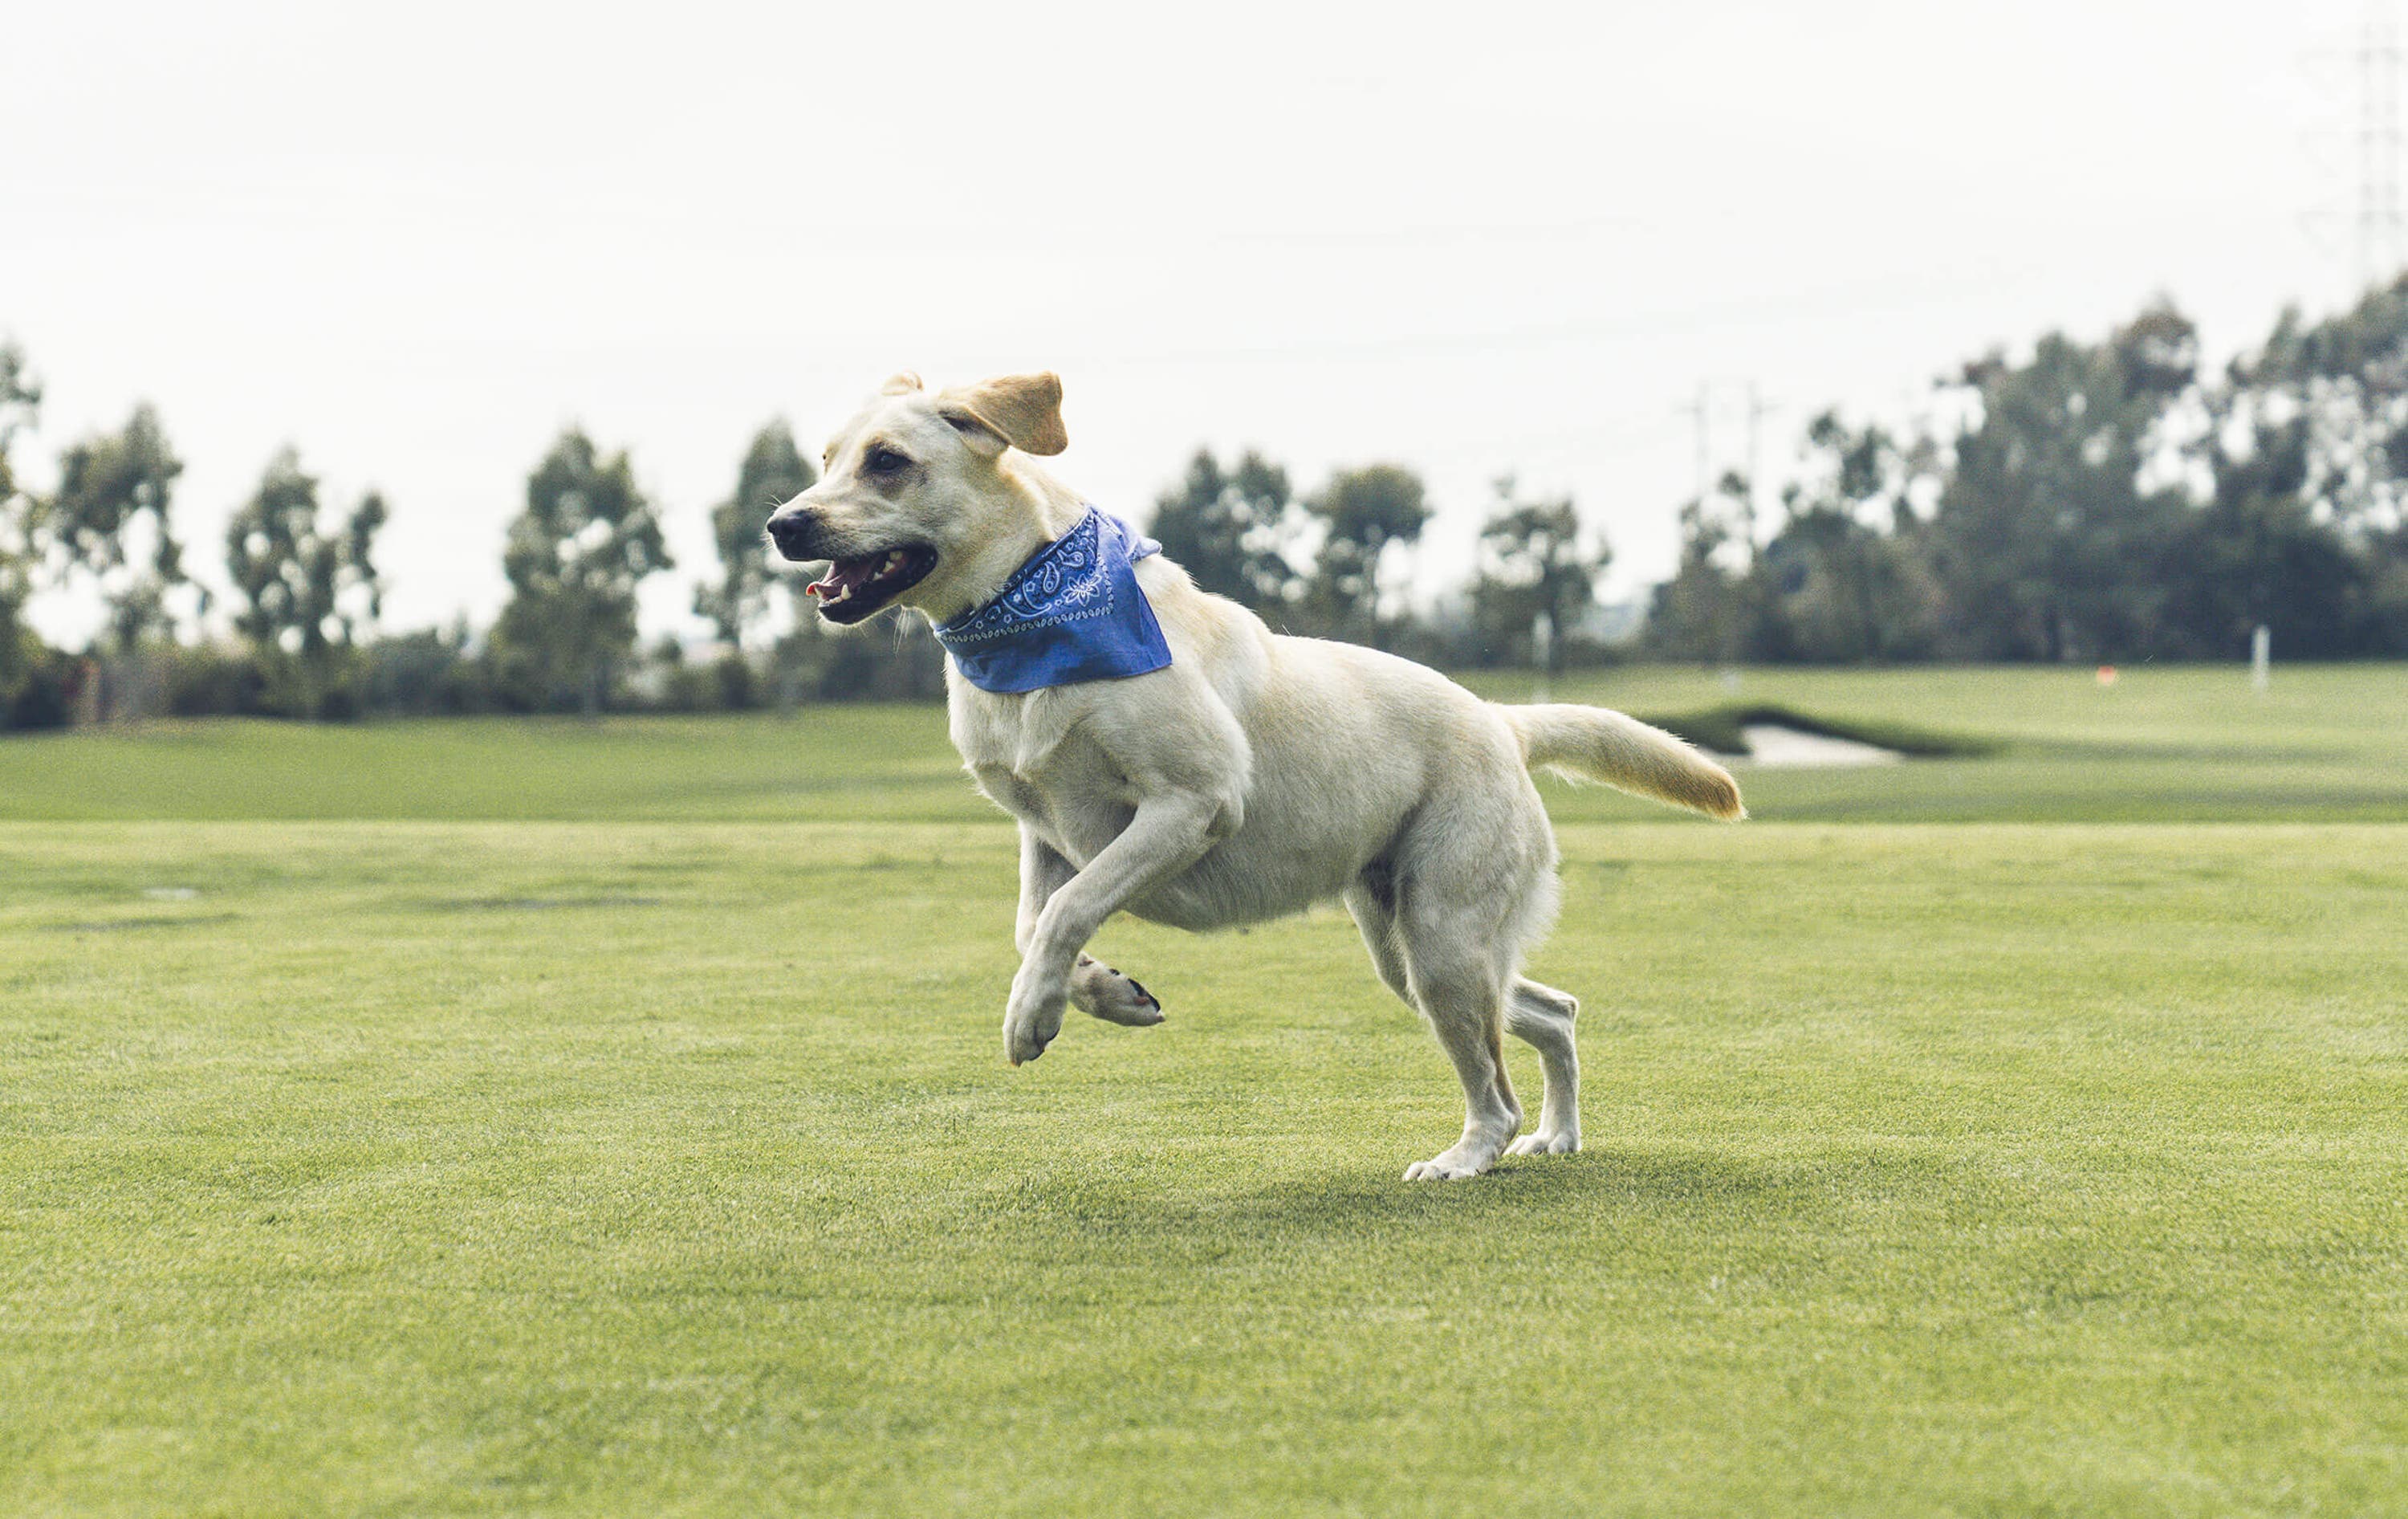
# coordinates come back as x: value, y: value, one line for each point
x: 1545, y: 1143
x: 1104, y: 993
x: 1033, y: 1016
x: 1026, y: 1038
x: 1440, y: 1168
x: 1452, y: 1165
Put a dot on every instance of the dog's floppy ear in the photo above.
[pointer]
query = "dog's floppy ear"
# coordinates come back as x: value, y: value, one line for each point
x: 1023, y: 410
x: 905, y: 383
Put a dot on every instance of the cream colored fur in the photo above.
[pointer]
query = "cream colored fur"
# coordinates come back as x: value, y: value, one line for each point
x: 1255, y: 776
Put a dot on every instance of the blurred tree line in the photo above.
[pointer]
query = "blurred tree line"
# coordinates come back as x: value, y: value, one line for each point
x: 307, y: 596
x: 2089, y: 501
x: 1327, y: 563
x: 2093, y: 502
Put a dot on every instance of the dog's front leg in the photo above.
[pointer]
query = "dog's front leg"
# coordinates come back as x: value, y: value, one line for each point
x: 1169, y: 834
x: 1042, y: 872
x: 1096, y: 988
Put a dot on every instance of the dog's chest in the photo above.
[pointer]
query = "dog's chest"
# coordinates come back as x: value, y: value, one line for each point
x: 1028, y: 755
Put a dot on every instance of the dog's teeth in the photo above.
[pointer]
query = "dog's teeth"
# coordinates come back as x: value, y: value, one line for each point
x: 894, y: 560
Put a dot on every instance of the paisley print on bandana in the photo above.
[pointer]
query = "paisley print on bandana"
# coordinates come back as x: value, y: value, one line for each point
x: 1074, y: 612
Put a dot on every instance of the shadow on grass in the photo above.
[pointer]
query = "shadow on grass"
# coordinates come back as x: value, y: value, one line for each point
x: 528, y: 904
x: 1359, y: 1205
x: 111, y: 926
x: 1530, y: 1189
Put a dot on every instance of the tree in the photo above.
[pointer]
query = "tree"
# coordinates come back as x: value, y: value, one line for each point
x: 307, y: 588
x: 2047, y: 540
x: 1362, y: 513
x: 2307, y: 447
x: 773, y: 473
x: 1230, y: 528
x: 115, y: 492
x: 1532, y: 566
x: 20, y: 400
x: 1837, y: 588
x: 574, y: 559
x: 1710, y: 610
x: 2346, y: 379
x: 2100, y: 500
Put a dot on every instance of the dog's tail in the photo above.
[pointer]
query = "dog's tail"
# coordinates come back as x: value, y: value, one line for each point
x: 1595, y: 743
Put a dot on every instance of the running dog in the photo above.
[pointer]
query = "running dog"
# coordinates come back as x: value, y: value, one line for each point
x: 1166, y: 754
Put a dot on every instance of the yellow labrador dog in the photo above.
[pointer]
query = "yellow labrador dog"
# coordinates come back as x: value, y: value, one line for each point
x: 1166, y: 754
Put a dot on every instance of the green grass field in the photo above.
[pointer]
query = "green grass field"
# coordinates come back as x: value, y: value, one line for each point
x: 2325, y: 745
x: 508, y: 1118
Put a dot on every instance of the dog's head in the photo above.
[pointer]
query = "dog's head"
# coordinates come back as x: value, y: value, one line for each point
x: 912, y: 503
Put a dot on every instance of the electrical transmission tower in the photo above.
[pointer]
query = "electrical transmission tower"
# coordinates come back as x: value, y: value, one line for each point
x: 2381, y: 247
x: 1701, y: 413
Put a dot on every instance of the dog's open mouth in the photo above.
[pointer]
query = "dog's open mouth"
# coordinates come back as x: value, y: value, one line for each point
x: 855, y: 588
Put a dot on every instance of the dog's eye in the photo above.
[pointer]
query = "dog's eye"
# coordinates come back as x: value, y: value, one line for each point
x: 882, y: 461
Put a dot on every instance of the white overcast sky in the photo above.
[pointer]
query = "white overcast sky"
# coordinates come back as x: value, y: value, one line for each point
x: 417, y: 240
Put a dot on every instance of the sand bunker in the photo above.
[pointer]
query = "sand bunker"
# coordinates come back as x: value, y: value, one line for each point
x: 1770, y: 745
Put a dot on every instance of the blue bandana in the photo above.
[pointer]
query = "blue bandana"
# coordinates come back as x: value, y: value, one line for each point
x: 1073, y: 612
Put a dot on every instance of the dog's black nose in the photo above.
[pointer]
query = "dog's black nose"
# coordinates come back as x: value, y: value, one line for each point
x: 793, y: 533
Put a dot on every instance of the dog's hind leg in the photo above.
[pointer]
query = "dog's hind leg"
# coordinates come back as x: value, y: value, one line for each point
x: 1372, y: 903
x: 1541, y: 1017
x: 1463, y: 996
x: 1449, y: 929
x: 1451, y: 998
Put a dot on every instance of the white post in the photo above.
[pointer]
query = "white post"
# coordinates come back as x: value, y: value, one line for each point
x: 2261, y: 657
x: 1542, y: 651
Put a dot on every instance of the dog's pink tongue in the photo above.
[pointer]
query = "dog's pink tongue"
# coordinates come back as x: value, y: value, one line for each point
x: 841, y: 578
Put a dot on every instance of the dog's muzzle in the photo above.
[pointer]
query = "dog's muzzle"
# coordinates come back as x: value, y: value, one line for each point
x: 796, y: 534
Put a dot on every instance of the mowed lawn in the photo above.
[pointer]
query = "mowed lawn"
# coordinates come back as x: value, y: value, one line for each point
x: 2182, y: 745
x: 603, y: 1165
